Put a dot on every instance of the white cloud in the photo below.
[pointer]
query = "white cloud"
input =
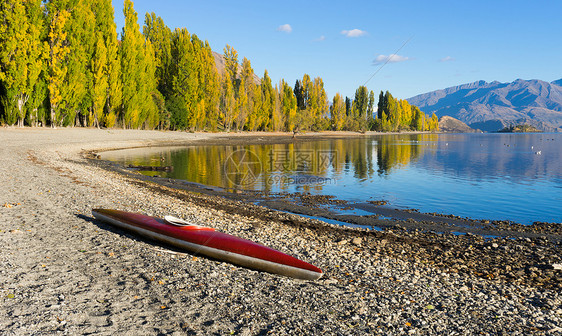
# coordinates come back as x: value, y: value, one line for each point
x: 286, y: 28
x: 354, y: 33
x: 321, y: 38
x: 392, y: 58
x: 447, y: 59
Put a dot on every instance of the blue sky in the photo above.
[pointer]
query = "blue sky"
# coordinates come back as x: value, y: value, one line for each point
x: 437, y: 43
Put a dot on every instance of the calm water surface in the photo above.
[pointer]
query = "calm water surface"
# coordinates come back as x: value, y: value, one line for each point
x: 516, y: 177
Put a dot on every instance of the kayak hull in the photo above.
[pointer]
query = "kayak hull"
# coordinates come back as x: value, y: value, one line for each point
x: 205, y: 241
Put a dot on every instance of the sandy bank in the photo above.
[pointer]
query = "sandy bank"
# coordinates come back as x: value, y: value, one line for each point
x: 60, y: 270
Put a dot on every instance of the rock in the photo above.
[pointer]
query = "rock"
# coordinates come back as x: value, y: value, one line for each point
x: 557, y: 266
x: 357, y: 241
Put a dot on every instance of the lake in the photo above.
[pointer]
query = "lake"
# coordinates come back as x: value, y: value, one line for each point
x: 516, y: 177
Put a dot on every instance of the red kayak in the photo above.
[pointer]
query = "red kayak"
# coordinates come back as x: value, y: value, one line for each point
x: 206, y: 241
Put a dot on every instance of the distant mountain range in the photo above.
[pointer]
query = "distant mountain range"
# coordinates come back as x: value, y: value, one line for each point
x: 493, y: 106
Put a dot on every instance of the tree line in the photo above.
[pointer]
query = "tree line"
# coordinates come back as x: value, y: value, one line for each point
x: 62, y: 63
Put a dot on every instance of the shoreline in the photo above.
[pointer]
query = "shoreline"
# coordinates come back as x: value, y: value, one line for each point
x: 63, y: 271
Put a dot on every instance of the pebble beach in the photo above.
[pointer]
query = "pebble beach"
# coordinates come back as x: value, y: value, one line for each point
x: 63, y: 272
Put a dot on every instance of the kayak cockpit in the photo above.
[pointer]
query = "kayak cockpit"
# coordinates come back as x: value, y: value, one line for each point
x: 185, y: 224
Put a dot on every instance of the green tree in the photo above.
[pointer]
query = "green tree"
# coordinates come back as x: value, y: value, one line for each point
x: 360, y: 103
x: 184, y: 83
x: 137, y: 73
x: 160, y: 36
x: 347, y: 106
x: 381, y: 105
x: 100, y: 82
x: 267, y: 117
x: 22, y: 55
x: 299, y: 95
x: 289, y: 106
x: 337, y: 113
x: 231, y: 64
x: 227, y: 103
x: 417, y: 120
x: 306, y: 90
x: 210, y: 82
x: 241, y: 105
x: 58, y: 52
x: 320, y: 105
x: 246, y: 93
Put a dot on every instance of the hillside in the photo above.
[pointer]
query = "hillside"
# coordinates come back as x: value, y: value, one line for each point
x: 492, y: 106
x: 452, y: 125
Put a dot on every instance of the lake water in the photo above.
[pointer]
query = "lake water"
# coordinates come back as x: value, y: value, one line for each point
x: 515, y: 177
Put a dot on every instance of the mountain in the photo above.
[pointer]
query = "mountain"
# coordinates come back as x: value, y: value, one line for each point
x: 492, y: 106
x: 452, y: 125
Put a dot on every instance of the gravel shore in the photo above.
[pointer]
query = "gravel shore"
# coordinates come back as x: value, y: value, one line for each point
x: 63, y: 272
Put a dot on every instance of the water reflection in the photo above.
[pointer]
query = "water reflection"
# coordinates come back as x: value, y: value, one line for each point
x: 449, y: 173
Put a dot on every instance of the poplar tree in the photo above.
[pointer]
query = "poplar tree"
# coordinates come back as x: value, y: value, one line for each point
x: 278, y: 120
x: 299, y: 95
x: 22, y: 55
x: 227, y: 104
x: 231, y: 64
x: 289, y: 106
x: 360, y: 103
x: 114, y: 100
x: 306, y: 91
x: 268, y: 103
x: 347, y: 106
x: 137, y: 74
x: 371, y: 105
x: 247, y: 89
x: 381, y: 105
x: 183, y: 76
x: 131, y: 67
x: 100, y: 82
x: 319, y: 100
x: 58, y: 52
x: 256, y: 119
x: 406, y: 115
x: 241, y: 105
x: 150, y: 110
x: 210, y: 82
x: 160, y: 36
x: 77, y: 86
x: 337, y: 113
x: 417, y: 120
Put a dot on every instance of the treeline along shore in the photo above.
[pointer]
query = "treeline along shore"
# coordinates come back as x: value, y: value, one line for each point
x: 62, y: 63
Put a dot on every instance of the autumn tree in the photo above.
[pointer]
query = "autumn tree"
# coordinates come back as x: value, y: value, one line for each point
x: 160, y: 36
x: 337, y: 113
x: 231, y: 65
x: 105, y: 88
x: 227, y: 102
x: 244, y: 95
x: 58, y: 52
x: 22, y: 55
x: 209, y: 84
x: 289, y: 106
x: 137, y: 73
x: 268, y: 119
x: 99, y: 81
